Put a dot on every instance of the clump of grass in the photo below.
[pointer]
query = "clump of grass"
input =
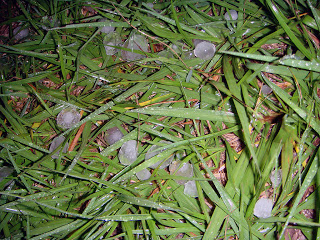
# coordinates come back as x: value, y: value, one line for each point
x: 213, y: 112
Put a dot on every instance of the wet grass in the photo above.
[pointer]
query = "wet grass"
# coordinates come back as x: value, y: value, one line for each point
x: 214, y: 112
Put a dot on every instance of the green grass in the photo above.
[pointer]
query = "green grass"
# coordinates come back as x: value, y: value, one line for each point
x: 200, y: 106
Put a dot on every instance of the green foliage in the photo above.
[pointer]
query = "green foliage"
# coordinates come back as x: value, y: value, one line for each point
x: 197, y: 105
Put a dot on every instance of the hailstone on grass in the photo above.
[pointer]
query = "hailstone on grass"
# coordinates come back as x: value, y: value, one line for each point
x: 19, y: 33
x: 68, y: 117
x: 135, y: 42
x: 186, y: 170
x: 5, y: 172
x: 144, y: 174
x: 265, y: 89
x: 233, y: 14
x: 112, y: 39
x: 205, y: 50
x: 165, y: 54
x: 128, y: 152
x: 190, y: 189
x: 152, y: 152
x: 113, y: 135
x: 106, y: 29
x: 263, y: 208
x: 56, y: 142
x: 276, y: 177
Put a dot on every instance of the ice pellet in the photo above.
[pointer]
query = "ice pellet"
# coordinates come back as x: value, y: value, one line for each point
x: 5, y: 172
x: 68, y: 117
x: 263, y: 208
x: 112, y: 39
x: 56, y: 142
x: 106, y: 29
x: 190, y: 189
x: 233, y: 14
x: 165, y: 54
x: 20, y: 34
x: 205, y: 50
x: 152, y: 152
x: 135, y: 42
x: 128, y: 152
x: 143, y: 174
x: 186, y: 170
x: 113, y: 135
x: 265, y: 89
x: 276, y: 178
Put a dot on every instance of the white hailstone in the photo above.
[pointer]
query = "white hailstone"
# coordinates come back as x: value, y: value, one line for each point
x: 56, y: 142
x: 152, y: 152
x: 113, y: 135
x: 50, y: 22
x: 143, y: 174
x: 186, y: 170
x: 135, y: 42
x: 106, y: 29
x: 128, y: 152
x: 265, y: 89
x: 190, y: 189
x: 205, y: 50
x: 112, y: 39
x: 5, y: 172
x: 20, y: 34
x: 263, y: 208
x: 276, y: 179
x: 233, y: 14
x: 68, y: 117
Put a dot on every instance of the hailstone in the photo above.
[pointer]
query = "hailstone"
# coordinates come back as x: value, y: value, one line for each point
x: 233, y: 14
x: 106, y: 29
x: 20, y: 34
x: 263, y: 208
x: 135, y: 42
x: 144, y: 174
x: 151, y: 153
x: 113, y: 135
x: 128, y: 152
x: 5, y: 172
x: 190, y: 189
x: 112, y: 39
x: 276, y: 179
x: 56, y: 142
x: 68, y: 117
x: 186, y: 170
x: 205, y: 50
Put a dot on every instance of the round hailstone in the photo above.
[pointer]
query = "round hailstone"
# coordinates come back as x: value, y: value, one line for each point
x: 128, y: 152
x: 20, y: 34
x: 186, y: 170
x: 113, y: 135
x: 233, y: 14
x: 112, y: 39
x: 56, y: 142
x: 165, y: 54
x: 265, y: 89
x: 68, y: 117
x: 190, y: 189
x: 106, y: 29
x: 143, y: 174
x: 263, y: 208
x: 135, y: 42
x: 276, y: 179
x: 152, y: 152
x: 5, y: 172
x: 204, y: 50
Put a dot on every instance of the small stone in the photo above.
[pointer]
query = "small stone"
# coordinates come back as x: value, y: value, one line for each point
x: 263, y: 208
x: 128, y: 152
x: 190, y: 189
x: 56, y: 142
x: 205, y: 50
x: 152, y: 152
x: 233, y: 14
x: 106, y: 29
x: 276, y: 179
x: 20, y: 34
x: 112, y: 39
x: 5, y: 172
x: 266, y: 90
x: 186, y: 170
x: 68, y: 117
x: 113, y: 135
x: 135, y: 42
x: 143, y: 174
